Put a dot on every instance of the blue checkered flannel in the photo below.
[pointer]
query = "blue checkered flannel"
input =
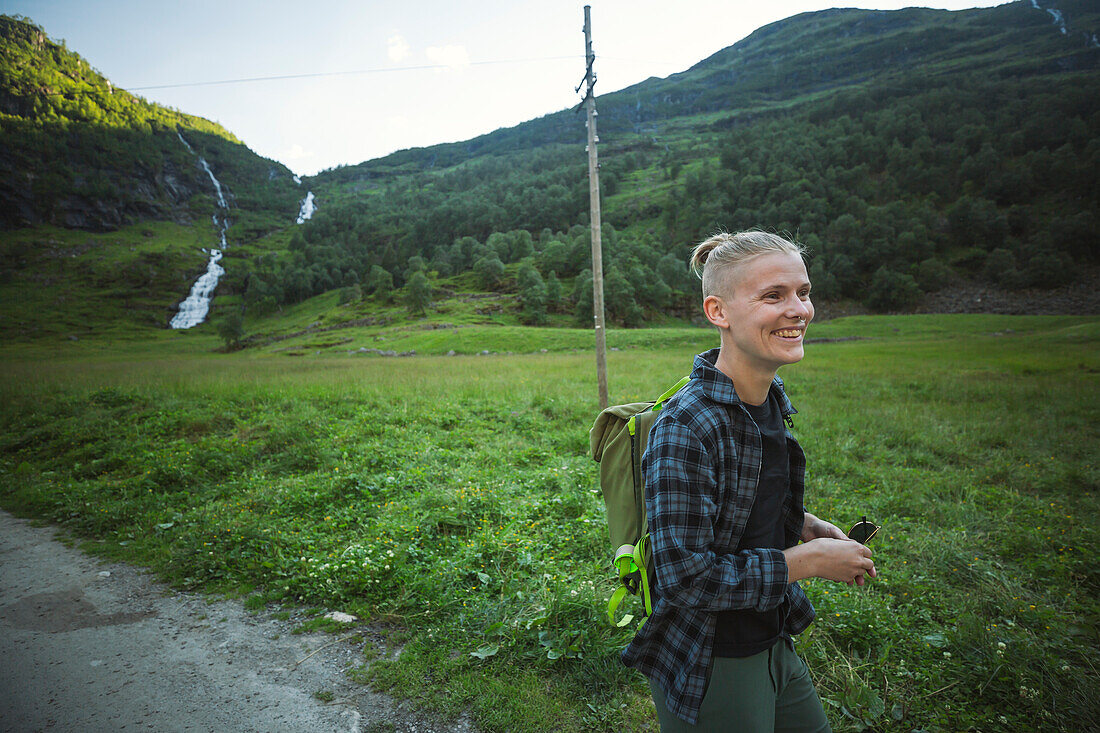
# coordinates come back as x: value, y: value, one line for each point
x: 701, y: 470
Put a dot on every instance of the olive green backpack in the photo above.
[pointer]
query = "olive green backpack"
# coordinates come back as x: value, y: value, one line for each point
x: 618, y: 439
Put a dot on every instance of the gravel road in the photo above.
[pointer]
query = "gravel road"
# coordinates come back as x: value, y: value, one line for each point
x: 91, y: 646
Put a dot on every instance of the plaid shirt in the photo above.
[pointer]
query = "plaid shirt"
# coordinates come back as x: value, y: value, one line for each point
x: 701, y: 468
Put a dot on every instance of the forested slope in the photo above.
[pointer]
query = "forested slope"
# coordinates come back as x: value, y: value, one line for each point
x: 908, y: 149
x: 76, y: 151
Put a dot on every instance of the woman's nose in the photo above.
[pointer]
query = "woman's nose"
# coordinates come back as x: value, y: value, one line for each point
x: 800, y: 309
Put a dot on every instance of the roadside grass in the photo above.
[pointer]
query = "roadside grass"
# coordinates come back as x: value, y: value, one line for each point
x: 450, y: 500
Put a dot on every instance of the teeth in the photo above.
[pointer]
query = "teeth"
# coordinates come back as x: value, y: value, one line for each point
x: 792, y: 333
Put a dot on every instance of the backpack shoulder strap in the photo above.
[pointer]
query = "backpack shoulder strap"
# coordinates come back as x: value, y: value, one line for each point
x: 669, y: 392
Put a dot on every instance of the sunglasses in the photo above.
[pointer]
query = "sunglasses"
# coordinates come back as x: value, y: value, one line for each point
x: 863, y: 531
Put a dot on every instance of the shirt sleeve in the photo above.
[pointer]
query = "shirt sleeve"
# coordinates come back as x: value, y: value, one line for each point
x: 682, y: 503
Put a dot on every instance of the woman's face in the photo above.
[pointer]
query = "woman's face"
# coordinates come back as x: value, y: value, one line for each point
x: 766, y: 308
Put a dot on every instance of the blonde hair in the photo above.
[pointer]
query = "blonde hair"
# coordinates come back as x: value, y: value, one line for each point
x: 713, y: 258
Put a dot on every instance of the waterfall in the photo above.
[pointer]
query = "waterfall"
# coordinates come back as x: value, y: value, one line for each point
x: 215, y: 181
x: 307, y: 208
x: 185, y: 143
x: 1059, y: 19
x: 193, y: 310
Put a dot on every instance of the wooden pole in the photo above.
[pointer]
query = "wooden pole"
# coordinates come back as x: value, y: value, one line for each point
x: 594, y: 203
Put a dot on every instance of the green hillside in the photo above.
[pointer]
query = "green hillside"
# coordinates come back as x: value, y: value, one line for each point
x: 104, y: 211
x: 916, y: 152
x: 77, y: 152
x: 911, y: 150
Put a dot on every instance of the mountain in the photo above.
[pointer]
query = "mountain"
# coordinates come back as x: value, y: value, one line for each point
x: 912, y: 150
x: 797, y: 60
x: 78, y: 152
x: 916, y: 152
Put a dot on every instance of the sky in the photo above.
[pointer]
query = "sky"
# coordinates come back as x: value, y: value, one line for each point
x: 392, y: 74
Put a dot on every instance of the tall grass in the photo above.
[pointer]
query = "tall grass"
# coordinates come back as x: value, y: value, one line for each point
x: 451, y: 501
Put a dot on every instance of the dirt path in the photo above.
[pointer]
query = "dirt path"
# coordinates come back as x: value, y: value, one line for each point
x: 97, y: 647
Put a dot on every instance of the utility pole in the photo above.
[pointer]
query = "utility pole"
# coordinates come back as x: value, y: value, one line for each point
x: 594, y: 203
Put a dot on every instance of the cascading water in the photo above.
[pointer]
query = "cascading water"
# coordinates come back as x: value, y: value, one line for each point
x: 307, y: 209
x: 1059, y: 20
x: 215, y: 181
x: 193, y: 310
x: 185, y: 143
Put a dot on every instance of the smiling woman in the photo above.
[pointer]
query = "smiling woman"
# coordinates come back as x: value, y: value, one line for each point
x: 724, y: 499
x: 757, y: 292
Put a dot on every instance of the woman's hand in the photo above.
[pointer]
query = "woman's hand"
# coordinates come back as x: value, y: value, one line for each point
x: 812, y: 528
x: 840, y: 560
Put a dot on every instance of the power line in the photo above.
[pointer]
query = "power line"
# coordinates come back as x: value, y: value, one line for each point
x: 283, y: 77
x: 347, y: 73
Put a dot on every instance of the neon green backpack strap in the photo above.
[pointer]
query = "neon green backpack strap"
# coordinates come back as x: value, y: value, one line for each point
x: 669, y: 392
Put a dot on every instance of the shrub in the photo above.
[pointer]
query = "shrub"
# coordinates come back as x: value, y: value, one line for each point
x: 490, y: 270
x: 231, y: 329
x: 932, y: 274
x: 892, y: 291
x: 418, y: 294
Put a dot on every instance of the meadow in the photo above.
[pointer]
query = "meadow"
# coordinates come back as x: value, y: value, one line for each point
x: 449, y: 501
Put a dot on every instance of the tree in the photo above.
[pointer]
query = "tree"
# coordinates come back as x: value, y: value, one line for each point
x: 351, y: 294
x: 555, y: 257
x: 1000, y: 267
x: 825, y: 285
x: 522, y: 244
x: 231, y: 329
x: 418, y: 294
x: 527, y: 276
x: 490, y: 269
x: 532, y: 294
x: 380, y: 283
x: 619, y: 298
x: 932, y: 275
x: 582, y: 297
x: 892, y: 291
x: 553, y: 291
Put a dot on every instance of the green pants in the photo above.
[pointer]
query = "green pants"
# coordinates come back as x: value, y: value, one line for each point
x: 768, y: 692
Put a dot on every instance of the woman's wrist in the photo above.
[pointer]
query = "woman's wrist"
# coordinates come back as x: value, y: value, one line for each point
x: 809, y: 527
x: 801, y: 562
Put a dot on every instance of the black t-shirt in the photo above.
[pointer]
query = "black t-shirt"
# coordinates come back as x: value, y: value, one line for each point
x: 744, y: 632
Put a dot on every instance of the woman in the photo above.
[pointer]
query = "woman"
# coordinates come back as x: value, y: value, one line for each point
x: 724, y: 486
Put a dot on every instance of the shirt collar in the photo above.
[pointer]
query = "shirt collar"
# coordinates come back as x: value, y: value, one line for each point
x: 719, y: 387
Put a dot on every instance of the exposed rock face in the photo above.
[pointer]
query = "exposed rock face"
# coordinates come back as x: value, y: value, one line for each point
x: 1081, y: 298
x: 155, y: 194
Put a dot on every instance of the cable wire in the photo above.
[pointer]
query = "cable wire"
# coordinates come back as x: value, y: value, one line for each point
x: 346, y: 73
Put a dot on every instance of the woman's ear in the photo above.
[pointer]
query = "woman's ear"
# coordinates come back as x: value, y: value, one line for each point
x: 715, y: 311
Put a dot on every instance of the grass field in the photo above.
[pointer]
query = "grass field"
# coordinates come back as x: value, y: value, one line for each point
x: 450, y: 501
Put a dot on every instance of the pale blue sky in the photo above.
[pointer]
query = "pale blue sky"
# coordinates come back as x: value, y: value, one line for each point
x: 315, y: 123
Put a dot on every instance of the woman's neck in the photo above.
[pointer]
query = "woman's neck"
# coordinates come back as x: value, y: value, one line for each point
x: 752, y: 384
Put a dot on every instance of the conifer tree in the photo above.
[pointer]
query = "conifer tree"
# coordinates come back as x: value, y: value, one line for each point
x: 418, y: 295
x: 553, y: 291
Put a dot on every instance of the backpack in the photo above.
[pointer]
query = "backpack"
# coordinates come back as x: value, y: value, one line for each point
x: 617, y: 440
